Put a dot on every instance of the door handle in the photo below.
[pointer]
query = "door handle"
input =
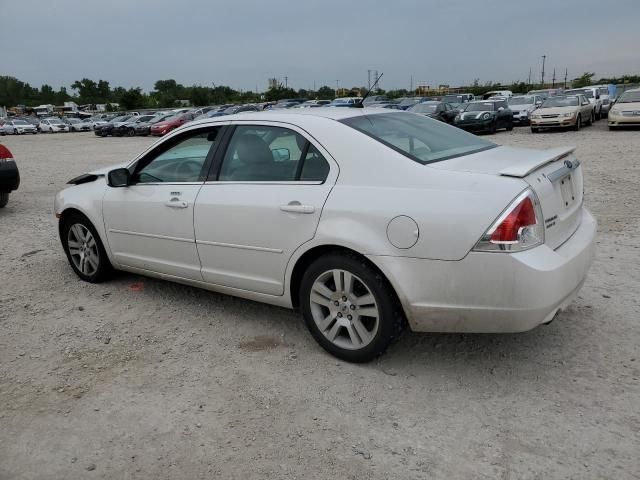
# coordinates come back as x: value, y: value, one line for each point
x: 177, y: 204
x: 296, y: 207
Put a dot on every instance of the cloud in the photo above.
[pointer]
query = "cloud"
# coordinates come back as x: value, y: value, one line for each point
x: 243, y: 43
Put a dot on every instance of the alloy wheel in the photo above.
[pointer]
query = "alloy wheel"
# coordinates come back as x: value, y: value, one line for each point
x: 83, y: 249
x: 344, y: 309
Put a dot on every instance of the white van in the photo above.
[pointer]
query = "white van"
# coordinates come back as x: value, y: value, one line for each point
x: 604, y: 96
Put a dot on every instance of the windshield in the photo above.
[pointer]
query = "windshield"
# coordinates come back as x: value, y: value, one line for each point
x: 480, y: 107
x: 629, y: 97
x: 418, y: 137
x: 452, y: 98
x: 424, y: 108
x: 73, y: 120
x: 144, y: 118
x: 119, y: 119
x: 560, y: 102
x: 20, y: 122
x: 521, y: 101
x: 56, y: 122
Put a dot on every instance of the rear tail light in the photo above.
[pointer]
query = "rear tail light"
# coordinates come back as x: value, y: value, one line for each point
x: 518, y: 228
x: 5, y: 154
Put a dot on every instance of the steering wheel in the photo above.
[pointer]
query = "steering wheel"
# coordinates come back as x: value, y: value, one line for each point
x: 188, y: 168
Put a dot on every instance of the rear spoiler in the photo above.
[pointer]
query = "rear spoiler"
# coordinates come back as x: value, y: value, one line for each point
x: 523, y: 167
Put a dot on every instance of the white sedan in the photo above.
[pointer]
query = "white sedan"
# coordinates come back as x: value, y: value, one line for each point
x: 53, y: 125
x: 365, y: 220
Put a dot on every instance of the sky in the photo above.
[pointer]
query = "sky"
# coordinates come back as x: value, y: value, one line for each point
x: 242, y: 43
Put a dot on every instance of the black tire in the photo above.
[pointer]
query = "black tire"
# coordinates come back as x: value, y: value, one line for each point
x: 509, y: 127
x: 104, y: 270
x: 535, y: 130
x: 391, y: 321
x: 4, y: 199
x: 494, y: 127
x: 15, y: 131
x: 598, y: 116
x: 578, y: 124
x: 131, y: 132
x: 612, y: 128
x: 592, y: 119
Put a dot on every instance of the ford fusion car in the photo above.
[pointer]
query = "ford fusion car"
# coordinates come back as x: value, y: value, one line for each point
x: 366, y: 220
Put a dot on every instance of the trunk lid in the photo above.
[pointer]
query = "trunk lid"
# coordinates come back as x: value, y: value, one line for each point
x: 555, y: 175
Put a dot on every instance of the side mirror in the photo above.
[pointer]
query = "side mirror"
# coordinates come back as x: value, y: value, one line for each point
x: 281, y: 154
x: 120, y: 177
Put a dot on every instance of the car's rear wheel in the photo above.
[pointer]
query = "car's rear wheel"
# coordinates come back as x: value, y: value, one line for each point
x: 131, y: 132
x: 349, y: 307
x: 535, y: 129
x: 4, y: 199
x: 84, y: 249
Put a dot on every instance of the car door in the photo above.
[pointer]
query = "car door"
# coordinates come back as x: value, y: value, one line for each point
x: 262, y: 201
x: 586, y: 107
x: 149, y: 223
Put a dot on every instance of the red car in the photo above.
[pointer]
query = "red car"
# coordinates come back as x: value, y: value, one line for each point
x: 164, y: 127
x: 9, y: 175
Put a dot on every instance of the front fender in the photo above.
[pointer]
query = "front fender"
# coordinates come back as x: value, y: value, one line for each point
x: 87, y: 199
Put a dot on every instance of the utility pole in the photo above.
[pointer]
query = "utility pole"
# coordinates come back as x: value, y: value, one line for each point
x: 368, y: 79
x: 337, y: 86
x: 544, y: 57
x: 529, y: 82
x: 377, y: 86
x: 286, y: 82
x: 566, y: 72
x: 553, y: 85
x: 411, y: 84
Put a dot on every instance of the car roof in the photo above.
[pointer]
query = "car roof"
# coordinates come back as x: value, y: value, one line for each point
x: 299, y: 115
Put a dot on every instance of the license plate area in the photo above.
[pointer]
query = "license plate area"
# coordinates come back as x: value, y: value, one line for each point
x: 567, y: 190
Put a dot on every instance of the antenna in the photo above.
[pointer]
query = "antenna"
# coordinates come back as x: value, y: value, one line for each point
x: 360, y: 104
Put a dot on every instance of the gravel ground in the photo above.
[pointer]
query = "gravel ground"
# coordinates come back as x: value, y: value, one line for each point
x: 140, y: 378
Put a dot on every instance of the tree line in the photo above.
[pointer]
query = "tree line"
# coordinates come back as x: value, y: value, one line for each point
x: 167, y: 93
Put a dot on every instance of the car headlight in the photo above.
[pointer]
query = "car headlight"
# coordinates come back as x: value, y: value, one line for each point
x: 536, y: 116
x: 569, y: 115
x: 615, y: 111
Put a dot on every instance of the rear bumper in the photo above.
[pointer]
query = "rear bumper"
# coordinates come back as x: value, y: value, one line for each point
x: 9, y: 176
x: 492, y: 292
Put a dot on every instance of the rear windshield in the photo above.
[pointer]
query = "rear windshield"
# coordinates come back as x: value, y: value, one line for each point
x: 418, y: 137
x: 520, y: 100
x: 424, y: 108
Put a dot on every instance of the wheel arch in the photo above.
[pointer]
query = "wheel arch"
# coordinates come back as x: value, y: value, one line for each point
x: 308, y: 257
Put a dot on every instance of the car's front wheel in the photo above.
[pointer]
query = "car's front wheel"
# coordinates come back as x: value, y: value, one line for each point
x: 349, y: 307
x: 84, y: 249
x: 4, y: 199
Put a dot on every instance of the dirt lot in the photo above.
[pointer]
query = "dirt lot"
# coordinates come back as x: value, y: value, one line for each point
x: 139, y: 378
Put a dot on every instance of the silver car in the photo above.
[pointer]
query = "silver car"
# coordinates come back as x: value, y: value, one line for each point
x: 16, y: 127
